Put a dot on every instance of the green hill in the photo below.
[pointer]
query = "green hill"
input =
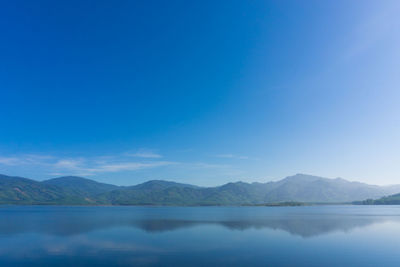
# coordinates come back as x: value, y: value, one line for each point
x: 18, y: 190
x: 80, y: 186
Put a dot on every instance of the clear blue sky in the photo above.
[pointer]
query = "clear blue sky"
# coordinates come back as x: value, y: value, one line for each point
x: 203, y: 92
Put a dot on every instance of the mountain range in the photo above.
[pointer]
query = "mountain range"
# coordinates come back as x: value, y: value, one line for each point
x: 72, y: 190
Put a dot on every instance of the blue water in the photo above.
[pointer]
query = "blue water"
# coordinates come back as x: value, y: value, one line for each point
x: 200, y: 236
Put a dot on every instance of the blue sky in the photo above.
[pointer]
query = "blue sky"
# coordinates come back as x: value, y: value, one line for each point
x: 202, y: 92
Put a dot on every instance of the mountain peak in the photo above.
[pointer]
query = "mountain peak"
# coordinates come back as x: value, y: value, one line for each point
x: 302, y: 177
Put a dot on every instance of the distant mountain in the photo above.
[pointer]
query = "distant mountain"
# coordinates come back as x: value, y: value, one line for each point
x: 155, y: 192
x: 157, y: 185
x: 71, y: 190
x: 389, y: 200
x: 18, y: 190
x: 80, y: 186
x: 307, y: 188
x: 297, y: 188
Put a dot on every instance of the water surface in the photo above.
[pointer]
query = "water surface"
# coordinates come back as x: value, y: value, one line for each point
x: 200, y: 236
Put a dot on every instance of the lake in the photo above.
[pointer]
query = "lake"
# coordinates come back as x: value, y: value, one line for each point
x: 200, y: 236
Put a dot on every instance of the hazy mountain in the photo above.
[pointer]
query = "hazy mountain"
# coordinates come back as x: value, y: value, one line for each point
x: 307, y: 188
x: 299, y: 188
x: 392, y: 189
x: 77, y: 190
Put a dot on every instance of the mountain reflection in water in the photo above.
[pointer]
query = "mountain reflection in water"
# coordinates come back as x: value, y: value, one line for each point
x: 299, y: 221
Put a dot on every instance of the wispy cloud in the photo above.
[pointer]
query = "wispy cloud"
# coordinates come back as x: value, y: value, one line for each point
x: 24, y: 159
x: 92, y: 167
x: 10, y: 161
x: 130, y: 166
x: 69, y: 163
x: 383, y: 23
x: 231, y: 156
x: 144, y: 153
x: 89, y: 166
x: 82, y: 166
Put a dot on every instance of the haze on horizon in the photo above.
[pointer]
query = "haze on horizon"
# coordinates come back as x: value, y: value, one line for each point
x: 200, y: 92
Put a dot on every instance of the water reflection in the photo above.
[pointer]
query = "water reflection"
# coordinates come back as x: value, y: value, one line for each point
x: 207, y: 236
x: 66, y: 221
x: 305, y: 227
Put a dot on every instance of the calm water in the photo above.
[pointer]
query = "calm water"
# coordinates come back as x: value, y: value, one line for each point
x: 200, y: 236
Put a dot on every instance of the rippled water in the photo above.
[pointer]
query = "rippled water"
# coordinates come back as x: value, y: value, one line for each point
x: 200, y: 236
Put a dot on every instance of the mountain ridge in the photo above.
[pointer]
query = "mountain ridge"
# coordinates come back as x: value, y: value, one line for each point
x: 73, y: 190
x: 80, y: 185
